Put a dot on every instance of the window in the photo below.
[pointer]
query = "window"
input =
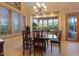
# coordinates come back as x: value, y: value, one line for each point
x: 16, y: 21
x: 23, y: 22
x: 46, y: 24
x: 50, y: 24
x: 4, y: 21
x: 40, y: 25
x: 56, y: 24
x: 35, y: 24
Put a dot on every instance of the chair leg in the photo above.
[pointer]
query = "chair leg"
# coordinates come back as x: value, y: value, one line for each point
x: 47, y: 43
x: 60, y: 48
x: 23, y: 52
x: 41, y: 52
x: 45, y: 47
x: 51, y: 46
x: 30, y: 51
x: 34, y: 50
x: 42, y: 49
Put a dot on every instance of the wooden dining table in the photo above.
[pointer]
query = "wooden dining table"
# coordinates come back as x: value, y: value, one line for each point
x: 45, y: 39
x: 47, y: 36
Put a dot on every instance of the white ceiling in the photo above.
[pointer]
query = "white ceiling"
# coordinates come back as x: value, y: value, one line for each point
x: 57, y: 6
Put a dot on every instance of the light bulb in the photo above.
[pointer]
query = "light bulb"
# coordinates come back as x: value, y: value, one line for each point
x: 45, y: 9
x: 43, y: 4
x: 35, y: 10
x: 34, y: 7
x: 38, y: 4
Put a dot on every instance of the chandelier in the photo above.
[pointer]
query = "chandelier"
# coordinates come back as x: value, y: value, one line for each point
x: 40, y: 9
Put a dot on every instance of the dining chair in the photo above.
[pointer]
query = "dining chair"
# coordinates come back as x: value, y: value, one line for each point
x: 57, y: 40
x: 27, y: 42
x: 45, y: 33
x: 55, y: 32
x: 39, y: 43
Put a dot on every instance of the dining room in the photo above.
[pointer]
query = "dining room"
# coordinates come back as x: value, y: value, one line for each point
x: 39, y: 28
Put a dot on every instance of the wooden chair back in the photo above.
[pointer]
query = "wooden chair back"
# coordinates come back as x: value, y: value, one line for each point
x: 59, y: 35
x: 25, y: 35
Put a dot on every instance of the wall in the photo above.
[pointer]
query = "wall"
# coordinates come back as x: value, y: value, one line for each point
x: 62, y: 25
x: 26, y: 11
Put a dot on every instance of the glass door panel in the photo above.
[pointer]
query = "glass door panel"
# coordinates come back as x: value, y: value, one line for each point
x: 44, y: 25
x: 72, y: 22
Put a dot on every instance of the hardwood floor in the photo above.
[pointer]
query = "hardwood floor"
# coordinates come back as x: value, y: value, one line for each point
x: 68, y: 48
x: 13, y: 47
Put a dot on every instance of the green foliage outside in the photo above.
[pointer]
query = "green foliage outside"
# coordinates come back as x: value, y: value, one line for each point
x: 44, y: 27
x: 50, y: 27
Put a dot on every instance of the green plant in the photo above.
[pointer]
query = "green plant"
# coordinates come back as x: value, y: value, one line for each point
x: 34, y: 26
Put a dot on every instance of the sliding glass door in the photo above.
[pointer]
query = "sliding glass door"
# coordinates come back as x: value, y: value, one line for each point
x: 72, y: 30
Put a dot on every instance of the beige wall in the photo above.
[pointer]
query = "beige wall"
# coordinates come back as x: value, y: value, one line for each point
x: 62, y: 25
x: 26, y: 11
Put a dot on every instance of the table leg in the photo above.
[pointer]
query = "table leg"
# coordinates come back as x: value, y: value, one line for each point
x: 47, y: 43
x: 51, y: 46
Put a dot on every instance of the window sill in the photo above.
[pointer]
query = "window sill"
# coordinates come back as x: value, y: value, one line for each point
x: 10, y: 35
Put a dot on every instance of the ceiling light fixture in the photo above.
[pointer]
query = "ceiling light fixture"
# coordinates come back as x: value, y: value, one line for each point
x: 40, y: 9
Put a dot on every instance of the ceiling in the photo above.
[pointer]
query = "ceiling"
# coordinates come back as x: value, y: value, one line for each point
x: 57, y: 6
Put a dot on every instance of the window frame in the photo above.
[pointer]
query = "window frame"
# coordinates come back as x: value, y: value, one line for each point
x: 11, y: 23
x: 48, y: 18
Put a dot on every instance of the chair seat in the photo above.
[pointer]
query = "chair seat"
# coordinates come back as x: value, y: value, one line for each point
x: 54, y: 40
